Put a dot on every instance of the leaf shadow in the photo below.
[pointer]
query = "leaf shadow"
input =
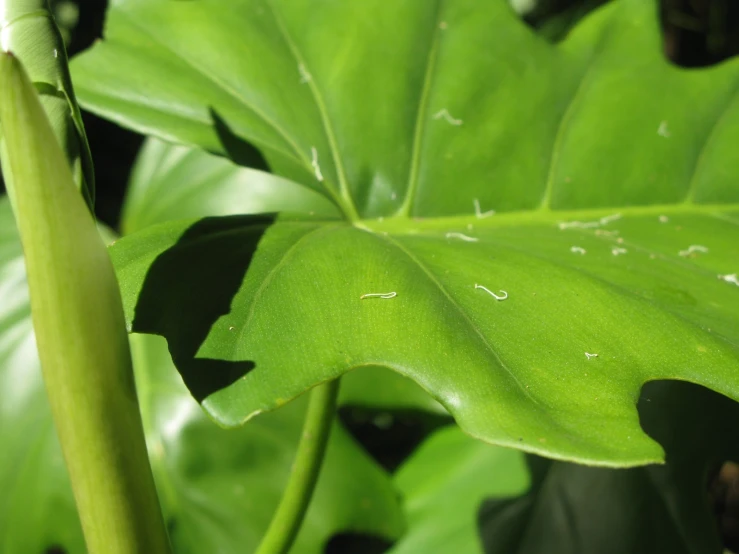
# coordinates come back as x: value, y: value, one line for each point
x: 236, y: 148
x: 647, y: 509
x: 214, y: 256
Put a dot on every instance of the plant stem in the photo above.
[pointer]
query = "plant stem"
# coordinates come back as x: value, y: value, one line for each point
x: 289, y: 516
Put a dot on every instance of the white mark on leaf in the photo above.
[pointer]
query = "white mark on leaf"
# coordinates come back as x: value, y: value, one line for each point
x: 446, y: 116
x: 730, y: 278
x: 314, y: 163
x: 461, y: 236
x: 478, y: 212
x: 379, y: 295
x: 692, y: 249
x: 305, y: 77
x: 503, y: 294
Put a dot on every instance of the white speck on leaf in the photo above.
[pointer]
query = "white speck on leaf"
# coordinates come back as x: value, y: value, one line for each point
x: 692, y: 249
x: 605, y: 220
x: 730, y: 278
x: 314, y: 163
x: 503, y: 294
x: 305, y: 77
x: 461, y: 236
x: 662, y: 130
x: 446, y: 116
x: 577, y: 250
x: 478, y: 212
x: 588, y: 355
x: 379, y: 295
x: 617, y: 251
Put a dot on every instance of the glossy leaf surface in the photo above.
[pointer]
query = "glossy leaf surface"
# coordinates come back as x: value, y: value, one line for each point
x: 218, y: 488
x: 456, y: 340
x: 171, y: 182
x: 176, y: 182
x: 619, y: 237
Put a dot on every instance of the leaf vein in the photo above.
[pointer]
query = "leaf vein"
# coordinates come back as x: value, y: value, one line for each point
x: 348, y: 202
x: 432, y: 278
x: 421, y: 116
x: 298, y: 156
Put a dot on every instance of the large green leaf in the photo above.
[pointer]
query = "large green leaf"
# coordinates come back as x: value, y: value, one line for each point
x: 615, y: 170
x: 571, y: 508
x: 170, y: 182
x: 218, y: 488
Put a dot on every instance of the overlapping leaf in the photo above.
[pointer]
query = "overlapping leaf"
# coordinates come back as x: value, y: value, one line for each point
x: 443, y: 485
x: 170, y: 182
x: 175, y: 182
x: 218, y: 488
x: 464, y: 496
x: 618, y: 257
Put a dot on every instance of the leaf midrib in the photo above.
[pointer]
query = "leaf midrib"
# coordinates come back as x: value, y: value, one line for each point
x: 538, y: 217
x: 345, y: 200
x: 421, y: 115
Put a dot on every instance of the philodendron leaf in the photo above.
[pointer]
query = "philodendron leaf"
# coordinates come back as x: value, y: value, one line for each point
x: 170, y: 182
x: 218, y: 488
x: 461, y: 495
x: 614, y: 264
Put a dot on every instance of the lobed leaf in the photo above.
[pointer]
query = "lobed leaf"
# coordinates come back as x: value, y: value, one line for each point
x: 615, y: 235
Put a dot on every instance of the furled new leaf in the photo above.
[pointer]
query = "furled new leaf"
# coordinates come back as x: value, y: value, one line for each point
x: 611, y: 260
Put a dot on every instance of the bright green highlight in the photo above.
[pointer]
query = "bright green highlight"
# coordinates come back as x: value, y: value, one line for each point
x: 28, y: 30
